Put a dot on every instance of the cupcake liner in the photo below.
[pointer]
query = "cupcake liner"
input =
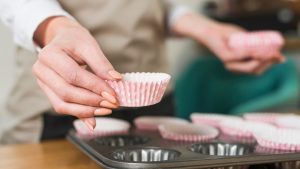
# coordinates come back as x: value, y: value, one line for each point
x: 187, y: 132
x: 140, y: 89
x: 244, y: 140
x: 292, y: 121
x: 266, y: 43
x: 104, y: 126
x: 211, y: 119
x: 152, y: 122
x: 265, y: 150
x: 243, y: 129
x: 282, y: 139
x: 264, y: 117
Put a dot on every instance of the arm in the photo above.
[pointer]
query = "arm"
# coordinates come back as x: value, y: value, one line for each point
x: 24, y: 16
x: 215, y: 36
x: 66, y: 48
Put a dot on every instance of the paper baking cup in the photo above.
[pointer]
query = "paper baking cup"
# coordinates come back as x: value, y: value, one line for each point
x: 282, y: 139
x: 266, y: 43
x: 211, y: 119
x: 152, y: 122
x: 264, y: 117
x: 243, y: 129
x: 104, y: 126
x: 228, y: 138
x: 187, y: 132
x: 292, y: 121
x: 140, y: 89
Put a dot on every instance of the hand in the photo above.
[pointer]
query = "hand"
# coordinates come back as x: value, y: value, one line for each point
x: 215, y: 36
x: 60, y: 72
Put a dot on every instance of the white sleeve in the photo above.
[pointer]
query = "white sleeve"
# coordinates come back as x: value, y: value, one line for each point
x: 24, y: 16
x: 175, y: 11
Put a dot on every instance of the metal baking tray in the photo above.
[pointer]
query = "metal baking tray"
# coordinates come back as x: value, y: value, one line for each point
x: 146, y: 149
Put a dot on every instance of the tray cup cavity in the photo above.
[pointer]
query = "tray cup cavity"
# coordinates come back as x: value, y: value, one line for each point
x: 121, y: 140
x: 146, y: 155
x: 221, y: 149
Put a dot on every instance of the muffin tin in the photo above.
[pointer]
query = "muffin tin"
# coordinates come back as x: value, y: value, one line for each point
x: 146, y: 149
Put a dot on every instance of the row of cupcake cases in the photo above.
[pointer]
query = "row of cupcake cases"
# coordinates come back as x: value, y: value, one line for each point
x: 271, y: 130
x: 206, y: 127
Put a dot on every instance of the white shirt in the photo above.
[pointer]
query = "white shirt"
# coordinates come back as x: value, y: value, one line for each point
x: 24, y: 16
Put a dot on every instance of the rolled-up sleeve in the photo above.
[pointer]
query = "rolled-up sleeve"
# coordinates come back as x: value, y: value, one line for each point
x: 24, y: 16
x: 174, y: 12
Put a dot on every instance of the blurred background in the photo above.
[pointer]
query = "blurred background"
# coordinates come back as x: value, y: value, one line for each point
x: 281, y: 15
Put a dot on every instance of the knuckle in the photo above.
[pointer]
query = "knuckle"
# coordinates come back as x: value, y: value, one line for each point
x: 72, y: 77
x: 65, y: 95
x: 95, y: 86
x: 43, y: 54
x: 60, y: 108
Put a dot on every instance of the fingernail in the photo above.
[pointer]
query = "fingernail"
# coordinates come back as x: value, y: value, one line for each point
x: 109, y: 97
x: 107, y: 104
x: 90, y: 127
x: 92, y: 122
x: 114, y: 74
x: 102, y: 111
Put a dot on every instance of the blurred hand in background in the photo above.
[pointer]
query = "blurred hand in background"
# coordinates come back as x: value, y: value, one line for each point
x: 215, y: 36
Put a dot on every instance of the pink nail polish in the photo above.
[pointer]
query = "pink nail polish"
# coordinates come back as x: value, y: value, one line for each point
x: 102, y: 111
x: 114, y: 74
x: 107, y: 104
x: 109, y: 97
x: 90, y: 127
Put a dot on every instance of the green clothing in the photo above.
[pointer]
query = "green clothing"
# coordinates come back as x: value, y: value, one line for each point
x: 207, y: 87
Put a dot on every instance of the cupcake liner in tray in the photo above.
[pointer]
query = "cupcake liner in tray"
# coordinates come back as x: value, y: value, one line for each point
x: 265, y: 117
x: 147, y: 149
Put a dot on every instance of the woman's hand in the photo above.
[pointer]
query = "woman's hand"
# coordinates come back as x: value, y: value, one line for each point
x: 60, y: 70
x: 215, y: 36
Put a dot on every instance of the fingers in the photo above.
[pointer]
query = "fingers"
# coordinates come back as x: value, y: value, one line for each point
x: 263, y: 67
x: 97, y: 61
x: 75, y: 75
x: 90, y: 122
x: 248, y: 67
x: 65, y: 91
x: 280, y: 57
x: 224, y: 52
x: 251, y: 66
x: 80, y: 111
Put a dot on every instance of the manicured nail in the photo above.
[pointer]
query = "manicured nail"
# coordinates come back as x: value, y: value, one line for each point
x: 114, y: 74
x: 107, y: 104
x: 92, y: 122
x: 109, y: 97
x: 90, y: 127
x: 102, y: 111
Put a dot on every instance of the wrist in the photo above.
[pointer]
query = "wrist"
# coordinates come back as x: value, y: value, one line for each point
x: 51, y: 27
x: 194, y: 26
